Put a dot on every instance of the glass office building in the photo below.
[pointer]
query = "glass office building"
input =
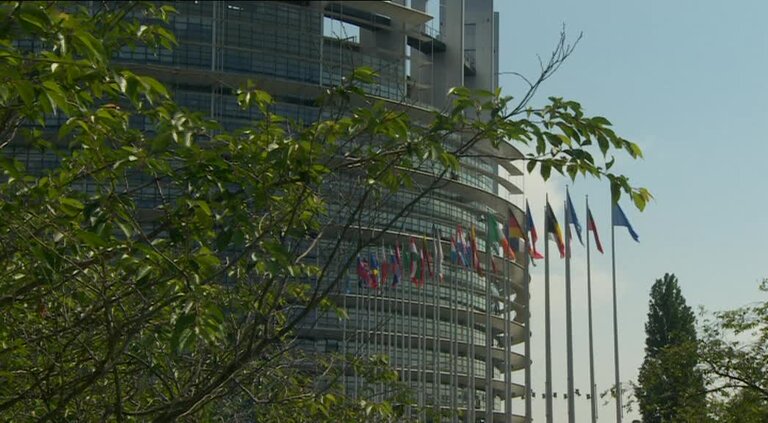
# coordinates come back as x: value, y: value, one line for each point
x: 459, y: 343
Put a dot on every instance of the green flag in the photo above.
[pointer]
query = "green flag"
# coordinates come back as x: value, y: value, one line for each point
x: 494, y: 237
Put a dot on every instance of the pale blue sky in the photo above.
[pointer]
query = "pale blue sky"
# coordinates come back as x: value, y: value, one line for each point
x: 688, y: 81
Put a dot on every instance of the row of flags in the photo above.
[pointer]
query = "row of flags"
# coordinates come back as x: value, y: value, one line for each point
x: 374, y: 273
x: 386, y: 265
x: 552, y: 227
x: 420, y: 263
x: 553, y: 232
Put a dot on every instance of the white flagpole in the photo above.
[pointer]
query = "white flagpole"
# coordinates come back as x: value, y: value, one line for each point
x: 592, y: 387
x: 489, y: 342
x: 617, y: 386
x: 547, y: 322
x: 527, y: 284
x: 568, y: 311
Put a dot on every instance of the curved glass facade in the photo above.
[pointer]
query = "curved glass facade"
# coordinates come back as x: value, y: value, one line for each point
x: 459, y: 342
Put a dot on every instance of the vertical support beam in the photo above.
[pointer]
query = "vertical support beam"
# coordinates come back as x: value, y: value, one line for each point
x: 344, y: 340
x: 592, y: 387
x: 470, y: 348
x: 422, y: 351
x: 453, y: 305
x: 617, y: 386
x: 489, y: 275
x: 528, y: 362
x: 214, y: 49
x: 406, y: 337
x: 436, y: 344
x: 357, y: 330
x: 548, y: 327
x: 507, y: 314
x: 568, y: 318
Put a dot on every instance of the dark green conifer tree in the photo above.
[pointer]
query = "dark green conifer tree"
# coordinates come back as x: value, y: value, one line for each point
x: 671, y: 387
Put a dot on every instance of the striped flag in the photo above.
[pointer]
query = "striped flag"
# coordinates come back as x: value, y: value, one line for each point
x: 454, y: 253
x: 438, y: 249
x: 374, y: 268
x: 514, y: 229
x: 397, y: 270
x: 552, y: 229
x: 475, y: 253
x: 497, y: 238
x: 494, y: 239
x: 591, y: 226
x: 530, y: 227
x: 384, y: 265
x: 460, y: 248
x: 505, y: 241
x: 494, y: 235
x: 414, y: 253
x: 426, y: 262
x: 363, y: 275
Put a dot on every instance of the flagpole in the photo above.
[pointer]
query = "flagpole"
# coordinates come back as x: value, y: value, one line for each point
x: 592, y: 387
x: 527, y: 284
x: 488, y: 341
x: 617, y: 386
x: 547, y: 324
x: 568, y: 322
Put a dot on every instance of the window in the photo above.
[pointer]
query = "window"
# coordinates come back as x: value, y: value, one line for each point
x: 334, y: 28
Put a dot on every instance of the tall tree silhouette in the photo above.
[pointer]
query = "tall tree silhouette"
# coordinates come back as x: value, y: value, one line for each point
x: 671, y: 387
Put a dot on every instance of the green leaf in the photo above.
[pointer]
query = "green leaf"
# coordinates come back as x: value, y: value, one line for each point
x: 223, y: 238
x: 55, y: 95
x: 262, y: 97
x: 154, y: 86
x: 546, y: 170
x: 615, y: 191
x: 572, y: 170
x: 603, y: 143
x: 70, y: 206
x: 92, y: 239
x: 13, y: 167
x: 639, y: 201
x: 204, y: 207
x: 182, y: 332
x: 207, y: 260
x: 600, y: 121
x: 143, y: 273
x: 635, y: 150
x: 33, y: 17
x: 26, y: 92
x: 364, y: 74
x: 90, y: 45
x: 459, y: 92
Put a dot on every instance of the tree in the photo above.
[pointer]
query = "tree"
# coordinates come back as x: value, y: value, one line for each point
x: 670, y: 385
x: 112, y: 308
x: 734, y: 361
x: 739, y: 406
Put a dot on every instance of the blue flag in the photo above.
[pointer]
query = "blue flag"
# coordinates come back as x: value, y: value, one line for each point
x: 573, y: 218
x: 620, y: 219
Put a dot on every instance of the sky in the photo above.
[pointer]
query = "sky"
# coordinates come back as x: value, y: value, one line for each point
x: 687, y: 81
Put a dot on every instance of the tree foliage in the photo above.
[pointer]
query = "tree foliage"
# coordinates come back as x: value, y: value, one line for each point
x: 739, y: 406
x: 114, y: 308
x: 734, y: 358
x: 670, y: 385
